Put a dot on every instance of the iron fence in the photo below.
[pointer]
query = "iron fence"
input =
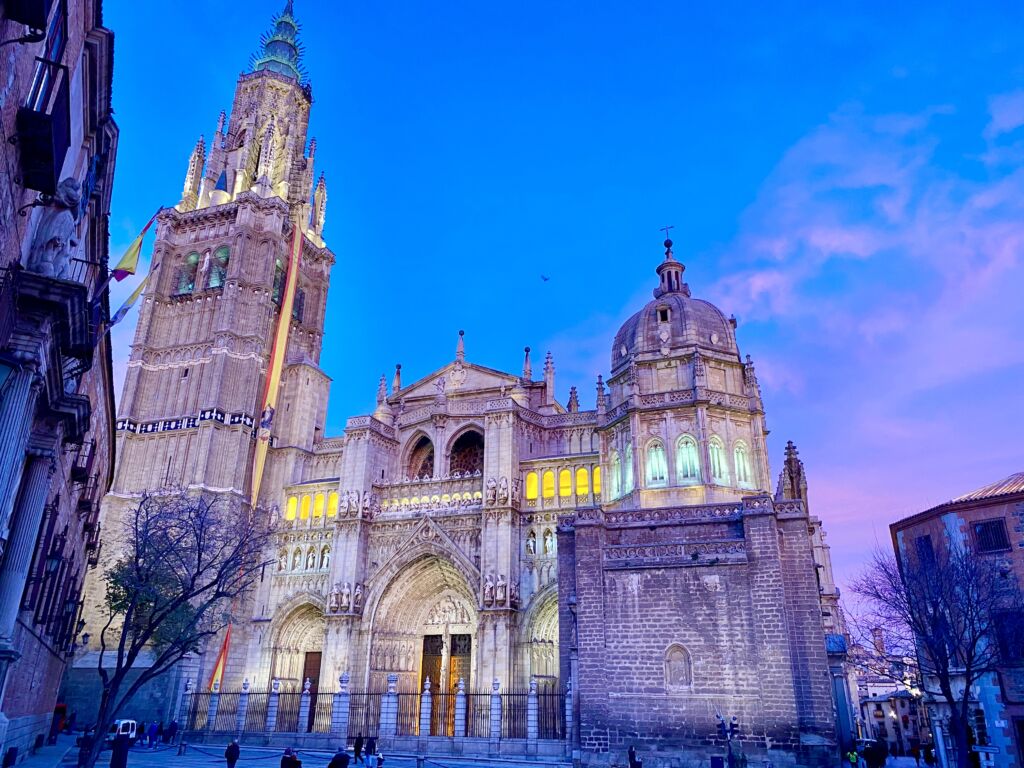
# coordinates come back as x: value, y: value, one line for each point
x: 227, y: 712
x: 256, y: 713
x: 514, y: 706
x: 288, y: 712
x: 320, y: 710
x: 478, y: 715
x: 408, y: 714
x: 442, y: 714
x: 198, y: 707
x: 363, y: 714
x: 551, y: 713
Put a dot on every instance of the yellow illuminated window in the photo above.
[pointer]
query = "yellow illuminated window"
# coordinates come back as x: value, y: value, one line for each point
x: 582, y: 482
x: 332, y: 504
x: 293, y: 504
x: 318, y: 505
x: 531, y: 485
x: 548, y: 485
x: 565, y: 483
x: 304, y: 507
x: 597, y: 480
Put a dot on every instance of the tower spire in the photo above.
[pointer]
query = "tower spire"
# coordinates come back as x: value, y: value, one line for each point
x: 280, y: 49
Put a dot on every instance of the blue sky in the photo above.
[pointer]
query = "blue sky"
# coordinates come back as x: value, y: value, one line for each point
x: 846, y: 181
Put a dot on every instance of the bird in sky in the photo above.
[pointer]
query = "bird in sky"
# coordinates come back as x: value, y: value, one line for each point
x: 545, y: 278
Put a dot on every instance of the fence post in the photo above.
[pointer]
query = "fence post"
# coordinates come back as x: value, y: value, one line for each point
x: 495, y: 714
x: 389, y: 708
x: 532, y: 730
x: 211, y: 713
x: 460, y: 710
x: 303, y: 724
x: 339, y: 708
x: 425, y: 709
x: 186, y: 706
x: 569, y: 709
x: 273, y: 701
x: 243, y: 706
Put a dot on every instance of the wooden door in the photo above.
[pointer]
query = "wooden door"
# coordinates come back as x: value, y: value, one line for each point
x: 311, y: 672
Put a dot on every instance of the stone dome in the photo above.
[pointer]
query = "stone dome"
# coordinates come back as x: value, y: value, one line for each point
x: 673, y: 320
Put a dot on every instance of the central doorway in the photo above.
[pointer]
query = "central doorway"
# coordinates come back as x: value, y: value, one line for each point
x: 311, y: 672
x: 446, y: 660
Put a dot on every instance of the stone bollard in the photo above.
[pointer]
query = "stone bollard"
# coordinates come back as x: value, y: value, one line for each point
x: 389, y: 708
x: 426, y: 701
x: 460, y: 710
x: 495, y: 715
x: 243, y: 707
x: 303, y: 725
x: 273, y: 702
x: 532, y: 725
x: 340, y: 707
x: 211, y: 713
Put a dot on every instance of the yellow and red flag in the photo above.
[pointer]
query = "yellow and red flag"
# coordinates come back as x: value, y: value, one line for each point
x: 277, y: 352
x: 217, y: 675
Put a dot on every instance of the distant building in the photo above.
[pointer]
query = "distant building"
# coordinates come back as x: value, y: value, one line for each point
x: 988, y: 522
x: 895, y: 718
x: 58, y: 146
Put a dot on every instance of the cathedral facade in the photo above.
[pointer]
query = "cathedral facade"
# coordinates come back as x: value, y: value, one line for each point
x: 473, y: 530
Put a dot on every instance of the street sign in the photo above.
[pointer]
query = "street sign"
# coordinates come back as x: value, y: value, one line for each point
x: 986, y: 750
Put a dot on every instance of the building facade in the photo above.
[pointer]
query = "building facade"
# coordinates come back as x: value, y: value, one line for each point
x: 988, y: 523
x: 56, y: 386
x: 473, y: 530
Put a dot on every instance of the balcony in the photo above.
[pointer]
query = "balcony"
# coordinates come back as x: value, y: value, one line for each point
x: 43, y: 128
x: 85, y: 455
x: 32, y: 13
x: 435, y: 492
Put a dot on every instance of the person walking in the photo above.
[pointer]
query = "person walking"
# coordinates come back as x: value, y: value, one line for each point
x: 340, y: 759
x: 172, y: 731
x: 371, y: 747
x: 85, y: 743
x: 288, y: 759
x: 357, y: 750
x: 232, y: 752
x: 380, y: 760
x: 152, y: 735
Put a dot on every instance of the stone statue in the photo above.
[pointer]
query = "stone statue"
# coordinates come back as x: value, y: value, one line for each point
x: 489, y: 590
x: 57, y: 232
x: 204, y: 269
x: 282, y: 563
x: 491, y: 491
x: 357, y: 598
x: 549, y: 543
x: 366, y: 504
x: 500, y: 590
x: 515, y: 491
x: 531, y: 543
x: 345, y: 599
x: 334, y: 599
x: 503, y: 491
x: 513, y: 594
x: 311, y: 560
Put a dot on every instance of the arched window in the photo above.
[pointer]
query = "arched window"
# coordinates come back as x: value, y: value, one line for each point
x: 582, y: 482
x: 548, y: 485
x: 332, y: 504
x: 467, y: 453
x: 657, y: 465
x: 597, y: 481
x: 421, y: 459
x: 565, y: 483
x: 687, y: 460
x: 318, y: 505
x: 615, y: 470
x: 531, y: 485
x: 325, y: 558
x: 299, y: 305
x: 292, y: 508
x: 678, y: 668
x: 741, y: 462
x: 627, y: 470
x: 304, y: 507
x: 716, y: 458
x: 219, y: 267
x: 187, y: 275
x: 278, y: 290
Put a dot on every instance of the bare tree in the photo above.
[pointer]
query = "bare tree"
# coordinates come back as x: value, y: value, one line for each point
x: 952, y: 610
x: 186, y: 562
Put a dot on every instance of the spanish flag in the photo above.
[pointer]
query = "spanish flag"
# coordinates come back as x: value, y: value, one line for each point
x: 218, y: 668
x: 130, y: 261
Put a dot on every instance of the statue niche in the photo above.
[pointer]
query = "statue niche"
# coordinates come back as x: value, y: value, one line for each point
x: 678, y: 669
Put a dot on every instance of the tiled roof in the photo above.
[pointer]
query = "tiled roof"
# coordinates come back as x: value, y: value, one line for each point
x: 1012, y: 484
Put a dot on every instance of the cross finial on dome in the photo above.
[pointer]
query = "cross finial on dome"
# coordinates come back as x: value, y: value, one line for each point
x: 670, y: 271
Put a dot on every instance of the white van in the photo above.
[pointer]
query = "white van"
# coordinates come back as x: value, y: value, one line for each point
x: 126, y: 727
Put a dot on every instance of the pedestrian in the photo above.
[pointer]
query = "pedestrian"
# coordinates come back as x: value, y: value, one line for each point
x: 915, y: 752
x: 85, y: 744
x: 172, y: 731
x: 140, y: 732
x: 160, y: 733
x: 634, y: 761
x: 340, y: 759
x: 69, y: 726
x: 119, y: 751
x: 152, y: 735
x: 371, y: 746
x: 232, y: 752
x: 380, y: 760
x: 357, y: 749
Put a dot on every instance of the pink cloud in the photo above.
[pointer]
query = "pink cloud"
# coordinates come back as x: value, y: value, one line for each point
x: 1007, y: 113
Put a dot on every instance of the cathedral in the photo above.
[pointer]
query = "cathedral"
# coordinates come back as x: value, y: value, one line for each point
x: 474, y: 529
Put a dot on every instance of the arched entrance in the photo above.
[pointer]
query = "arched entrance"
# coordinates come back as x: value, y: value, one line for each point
x: 424, y: 625
x: 298, y: 648
x: 538, y: 650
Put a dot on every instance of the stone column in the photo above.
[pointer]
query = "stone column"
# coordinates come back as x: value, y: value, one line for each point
x: 389, y: 708
x: 426, y: 705
x: 340, y: 707
x: 211, y: 713
x: 303, y: 725
x: 532, y: 725
x: 460, y: 710
x: 243, y: 707
x: 273, y: 702
x: 495, y: 715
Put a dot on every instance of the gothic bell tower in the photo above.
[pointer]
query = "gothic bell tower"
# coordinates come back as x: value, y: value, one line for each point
x: 199, y: 360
